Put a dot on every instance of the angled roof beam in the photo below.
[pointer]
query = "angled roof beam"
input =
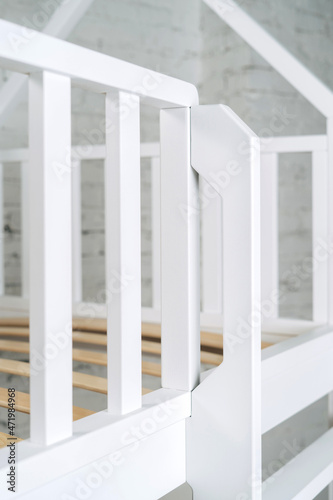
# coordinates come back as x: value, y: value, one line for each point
x: 60, y: 25
x: 275, y: 54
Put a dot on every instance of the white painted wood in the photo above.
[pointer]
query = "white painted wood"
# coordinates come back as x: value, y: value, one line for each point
x: 275, y: 54
x: 129, y: 473
x: 269, y: 234
x: 123, y: 254
x: 50, y: 259
x: 330, y: 260
x: 25, y: 229
x: 211, y: 247
x: 293, y: 144
x: 295, y: 373
x: 93, y: 71
x: 156, y: 231
x: 79, y: 152
x: 330, y: 218
x: 76, y: 231
x: 225, y: 427
x: 150, y: 150
x: 320, y: 234
x: 306, y: 475
x: 179, y: 254
x: 2, y: 234
x: 101, y: 435
x: 62, y: 17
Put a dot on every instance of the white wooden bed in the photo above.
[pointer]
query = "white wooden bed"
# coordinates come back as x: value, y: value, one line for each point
x: 201, y: 427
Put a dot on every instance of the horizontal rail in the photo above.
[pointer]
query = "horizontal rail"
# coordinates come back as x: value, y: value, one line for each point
x: 82, y: 152
x: 103, y: 434
x: 283, y: 144
x: 295, y: 373
x: 306, y: 475
x: 91, y: 70
x: 294, y: 144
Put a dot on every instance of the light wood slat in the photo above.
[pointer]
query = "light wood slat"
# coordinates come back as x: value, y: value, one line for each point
x: 80, y: 380
x: 100, y: 358
x: 6, y: 438
x: 22, y: 404
x: 90, y: 338
x: 14, y: 367
x: 18, y: 321
x: 82, y: 327
x: 150, y: 368
x: 22, y: 400
x: 210, y: 358
x: 79, y: 412
x: 97, y: 358
x: 14, y: 330
x: 206, y: 357
x: 14, y: 346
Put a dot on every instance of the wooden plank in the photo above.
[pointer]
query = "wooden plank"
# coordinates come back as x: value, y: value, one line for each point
x: 22, y: 404
x: 100, y: 358
x: 5, y: 438
x: 80, y: 380
x: 94, y: 357
x: 85, y: 333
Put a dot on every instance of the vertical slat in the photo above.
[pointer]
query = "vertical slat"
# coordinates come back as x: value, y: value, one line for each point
x: 211, y: 246
x: 330, y: 260
x: 269, y: 234
x: 123, y: 252
x: 76, y: 231
x: 156, y: 231
x: 25, y: 228
x: 50, y: 259
x: 330, y: 216
x: 225, y: 424
x: 2, y: 234
x: 180, y: 254
x: 319, y: 235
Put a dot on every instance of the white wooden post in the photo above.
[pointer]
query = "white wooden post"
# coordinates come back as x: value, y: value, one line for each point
x: 180, y: 254
x: 50, y: 259
x: 76, y: 231
x: 156, y: 231
x: 211, y: 246
x: 2, y: 235
x: 225, y: 426
x: 320, y: 213
x: 330, y: 260
x: 123, y: 252
x: 269, y: 234
x: 25, y: 228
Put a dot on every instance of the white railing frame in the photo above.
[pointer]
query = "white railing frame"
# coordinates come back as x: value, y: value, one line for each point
x: 51, y: 310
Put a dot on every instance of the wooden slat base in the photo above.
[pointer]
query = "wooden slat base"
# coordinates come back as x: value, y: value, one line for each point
x: 22, y: 404
x: 6, y: 438
x: 94, y: 328
x: 80, y: 380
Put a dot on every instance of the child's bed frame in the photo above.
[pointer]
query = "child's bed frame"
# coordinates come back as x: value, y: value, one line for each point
x: 202, y: 428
